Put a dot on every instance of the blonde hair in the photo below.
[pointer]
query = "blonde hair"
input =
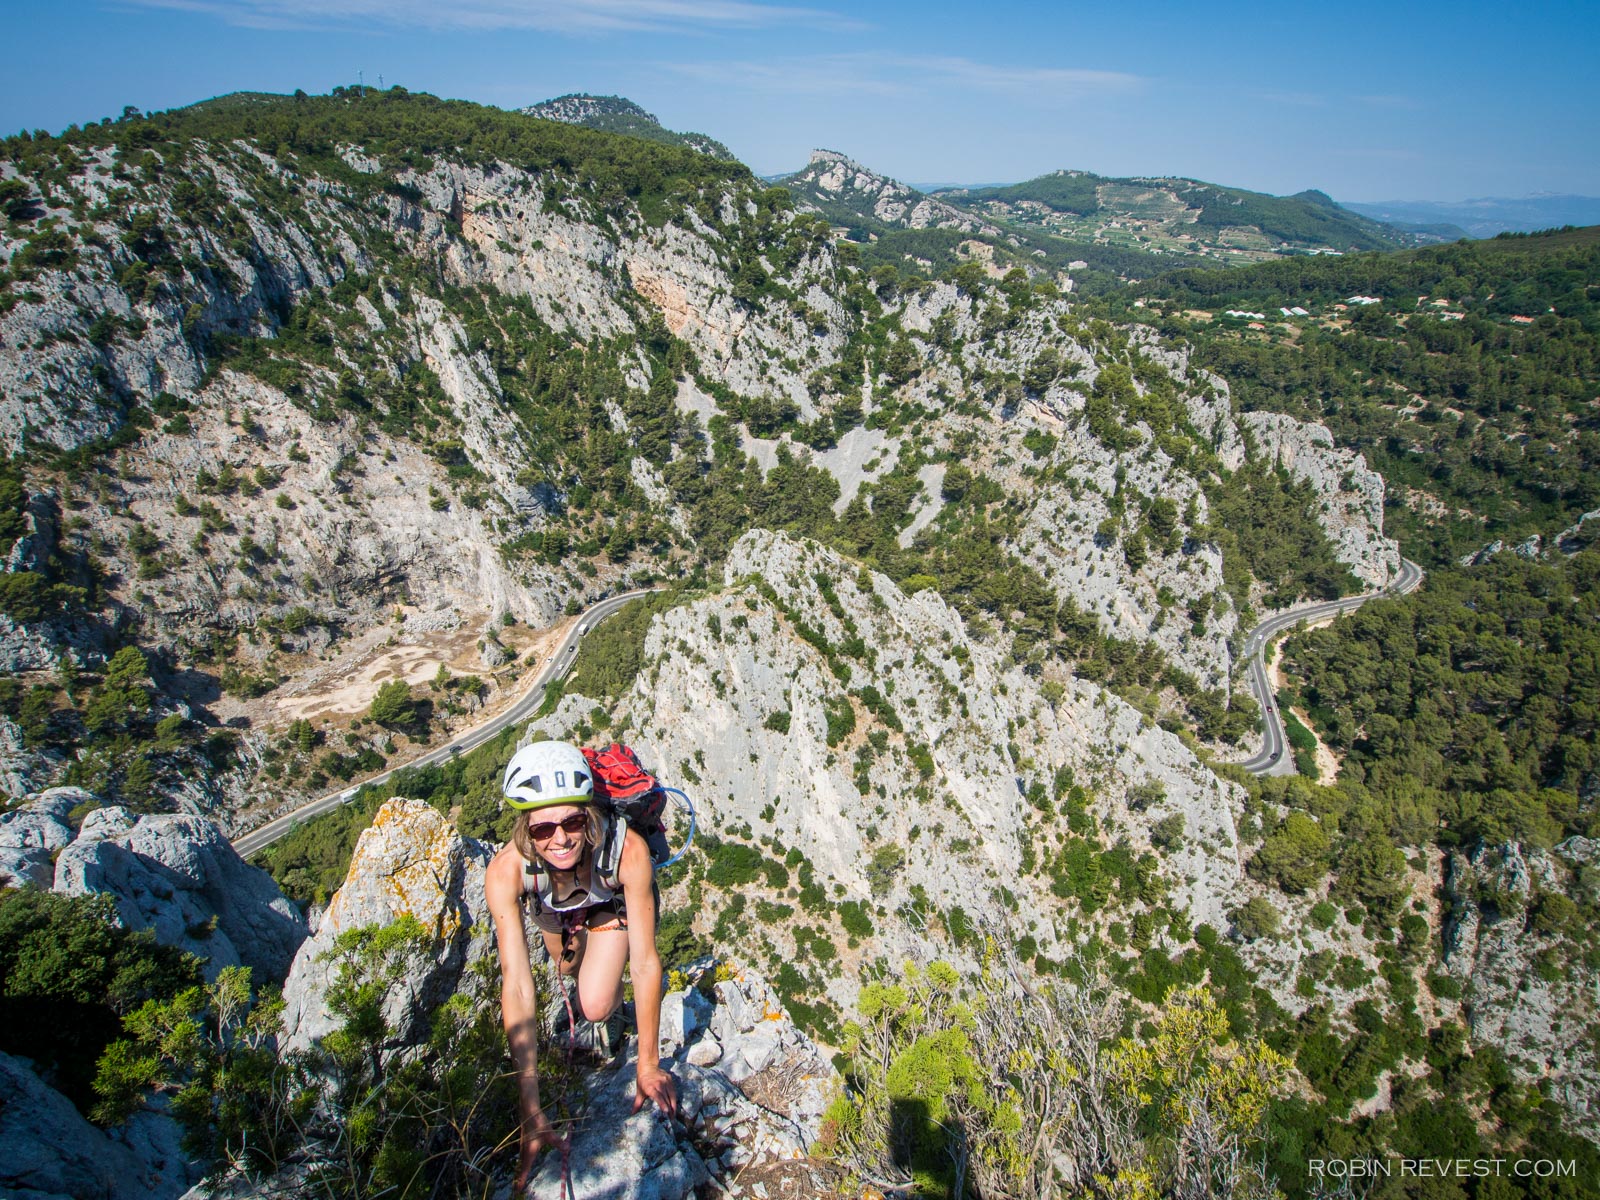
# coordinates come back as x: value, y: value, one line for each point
x: 522, y: 838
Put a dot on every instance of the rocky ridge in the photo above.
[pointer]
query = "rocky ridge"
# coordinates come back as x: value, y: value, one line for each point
x: 922, y: 807
x: 837, y: 185
x: 618, y: 115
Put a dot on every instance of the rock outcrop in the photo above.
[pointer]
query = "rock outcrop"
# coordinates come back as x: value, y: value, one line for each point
x: 31, y: 837
x: 1526, y: 989
x: 180, y: 877
x: 751, y: 1089
x: 49, y: 1152
x: 1351, y: 508
x: 409, y: 863
x: 1580, y: 535
x: 832, y: 179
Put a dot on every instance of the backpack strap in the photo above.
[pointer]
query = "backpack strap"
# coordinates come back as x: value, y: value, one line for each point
x: 534, y: 880
x: 607, y: 864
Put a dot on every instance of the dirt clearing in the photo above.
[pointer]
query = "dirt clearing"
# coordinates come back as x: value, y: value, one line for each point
x: 408, y: 650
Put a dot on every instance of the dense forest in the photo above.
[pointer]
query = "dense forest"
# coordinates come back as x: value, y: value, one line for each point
x: 1472, y: 381
x: 1470, y: 709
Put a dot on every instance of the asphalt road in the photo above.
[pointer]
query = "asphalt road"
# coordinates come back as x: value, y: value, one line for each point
x: 1274, y: 757
x: 557, y: 665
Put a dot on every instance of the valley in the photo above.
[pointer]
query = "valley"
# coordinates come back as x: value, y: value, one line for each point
x: 331, y: 419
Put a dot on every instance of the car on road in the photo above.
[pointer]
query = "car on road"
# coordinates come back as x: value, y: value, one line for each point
x: 583, y: 629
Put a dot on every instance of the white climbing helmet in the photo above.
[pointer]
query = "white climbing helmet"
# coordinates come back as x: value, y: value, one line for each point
x: 547, y: 773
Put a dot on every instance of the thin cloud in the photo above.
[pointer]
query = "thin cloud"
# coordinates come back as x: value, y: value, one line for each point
x: 897, y: 74
x: 1058, y: 82
x: 552, y: 16
x: 830, y: 75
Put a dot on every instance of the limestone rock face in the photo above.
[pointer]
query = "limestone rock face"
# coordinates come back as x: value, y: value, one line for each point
x: 410, y: 862
x: 717, y: 672
x: 831, y: 175
x: 1351, y: 512
x: 25, y: 770
x: 31, y: 835
x: 736, y: 1114
x: 1502, y: 955
x: 49, y: 1152
x: 179, y: 876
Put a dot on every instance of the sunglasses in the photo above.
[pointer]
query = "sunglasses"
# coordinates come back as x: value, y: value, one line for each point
x: 545, y: 830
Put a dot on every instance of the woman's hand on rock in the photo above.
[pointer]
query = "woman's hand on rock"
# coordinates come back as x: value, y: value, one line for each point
x: 537, y: 1134
x: 656, y: 1085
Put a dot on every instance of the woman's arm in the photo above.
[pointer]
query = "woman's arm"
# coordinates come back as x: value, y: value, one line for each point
x: 638, y: 878
x: 519, y: 1010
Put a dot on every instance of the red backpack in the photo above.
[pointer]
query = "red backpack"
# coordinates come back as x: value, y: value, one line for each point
x: 627, y: 790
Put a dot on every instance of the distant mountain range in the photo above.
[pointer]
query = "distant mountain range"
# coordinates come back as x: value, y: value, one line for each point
x: 614, y: 114
x: 1162, y: 216
x: 1130, y: 227
x: 899, y: 225
x: 1490, y: 215
x: 1188, y: 217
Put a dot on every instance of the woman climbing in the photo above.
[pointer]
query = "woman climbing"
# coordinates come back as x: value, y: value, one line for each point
x: 595, y: 905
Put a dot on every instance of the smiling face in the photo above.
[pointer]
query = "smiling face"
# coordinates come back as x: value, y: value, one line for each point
x: 562, y: 849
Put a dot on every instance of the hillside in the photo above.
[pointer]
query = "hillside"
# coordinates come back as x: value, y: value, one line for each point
x: 1182, y: 217
x: 325, y: 414
x: 900, y: 227
x: 1448, y: 336
x: 614, y: 114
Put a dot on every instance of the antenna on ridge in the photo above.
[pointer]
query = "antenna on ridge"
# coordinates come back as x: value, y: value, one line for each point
x: 380, y: 81
x: 361, y: 84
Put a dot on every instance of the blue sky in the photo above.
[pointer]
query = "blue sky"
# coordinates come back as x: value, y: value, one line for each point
x: 1418, y: 99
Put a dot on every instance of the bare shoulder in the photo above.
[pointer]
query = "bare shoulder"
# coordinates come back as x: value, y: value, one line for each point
x: 503, y: 878
x: 636, y: 864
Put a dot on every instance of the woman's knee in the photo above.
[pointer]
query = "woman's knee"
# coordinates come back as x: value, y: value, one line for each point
x: 598, y: 1002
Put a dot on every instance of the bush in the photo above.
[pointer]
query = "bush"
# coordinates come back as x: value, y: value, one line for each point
x: 27, y: 596
x: 70, y: 974
x: 855, y: 920
x: 1167, y: 833
x: 1256, y: 918
x: 1295, y: 856
x: 393, y: 706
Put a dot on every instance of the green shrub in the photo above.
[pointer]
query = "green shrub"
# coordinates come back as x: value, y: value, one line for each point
x: 69, y: 974
x: 1256, y: 918
x: 855, y: 920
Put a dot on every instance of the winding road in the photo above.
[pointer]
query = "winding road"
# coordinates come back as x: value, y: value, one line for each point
x: 1270, y: 760
x: 1273, y: 758
x: 557, y: 665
